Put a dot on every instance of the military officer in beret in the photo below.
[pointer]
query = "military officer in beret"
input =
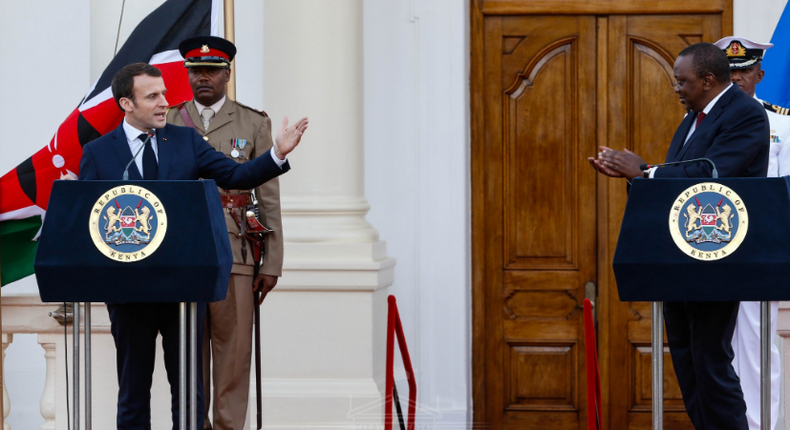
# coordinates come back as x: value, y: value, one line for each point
x: 242, y: 133
x: 745, y: 57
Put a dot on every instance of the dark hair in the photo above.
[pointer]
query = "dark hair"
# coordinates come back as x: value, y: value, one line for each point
x: 123, y: 81
x: 708, y: 58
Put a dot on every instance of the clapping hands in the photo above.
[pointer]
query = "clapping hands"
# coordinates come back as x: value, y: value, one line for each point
x: 617, y: 164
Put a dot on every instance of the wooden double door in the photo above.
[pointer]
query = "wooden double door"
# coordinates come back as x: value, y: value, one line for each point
x: 547, y: 90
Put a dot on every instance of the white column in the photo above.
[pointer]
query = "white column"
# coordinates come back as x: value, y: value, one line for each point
x: 314, y: 69
x: 324, y: 325
x: 7, y: 340
x: 47, y: 405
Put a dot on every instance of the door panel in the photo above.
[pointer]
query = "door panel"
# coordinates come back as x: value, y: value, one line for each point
x: 540, y: 84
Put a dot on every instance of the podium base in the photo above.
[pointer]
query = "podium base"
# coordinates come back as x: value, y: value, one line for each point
x: 657, y: 345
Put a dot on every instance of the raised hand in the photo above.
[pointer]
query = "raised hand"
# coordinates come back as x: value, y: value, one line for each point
x: 289, y: 137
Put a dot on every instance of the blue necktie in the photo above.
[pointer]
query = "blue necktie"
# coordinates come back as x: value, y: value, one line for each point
x: 150, y: 166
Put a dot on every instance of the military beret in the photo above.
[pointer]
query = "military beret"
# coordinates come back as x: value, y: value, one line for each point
x: 208, y: 51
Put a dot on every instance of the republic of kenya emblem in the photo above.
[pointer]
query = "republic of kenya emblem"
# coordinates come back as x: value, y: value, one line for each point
x: 708, y: 221
x: 128, y: 223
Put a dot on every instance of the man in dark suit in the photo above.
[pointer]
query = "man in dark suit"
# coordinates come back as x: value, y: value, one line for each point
x: 730, y: 128
x: 172, y: 153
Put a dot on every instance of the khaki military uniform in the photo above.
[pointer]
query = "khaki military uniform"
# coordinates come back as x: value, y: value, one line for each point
x: 228, y: 334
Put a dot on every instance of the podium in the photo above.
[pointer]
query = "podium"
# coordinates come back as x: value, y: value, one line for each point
x: 678, y: 233
x: 131, y: 242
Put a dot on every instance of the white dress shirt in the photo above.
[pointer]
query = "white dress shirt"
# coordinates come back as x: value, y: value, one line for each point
x: 215, y: 107
x: 135, y: 144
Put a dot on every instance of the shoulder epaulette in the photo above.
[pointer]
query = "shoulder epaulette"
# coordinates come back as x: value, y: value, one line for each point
x: 776, y: 109
x: 253, y: 109
x: 178, y: 106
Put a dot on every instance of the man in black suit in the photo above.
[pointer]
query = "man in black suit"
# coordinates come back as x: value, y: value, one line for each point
x: 172, y: 153
x: 730, y: 128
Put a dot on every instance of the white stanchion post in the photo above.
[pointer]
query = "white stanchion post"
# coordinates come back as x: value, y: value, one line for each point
x: 182, y: 366
x: 657, y: 340
x: 193, y: 366
x: 75, y: 354
x: 765, y: 365
x: 88, y: 394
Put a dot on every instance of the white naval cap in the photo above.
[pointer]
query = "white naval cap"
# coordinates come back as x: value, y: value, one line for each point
x: 742, y: 52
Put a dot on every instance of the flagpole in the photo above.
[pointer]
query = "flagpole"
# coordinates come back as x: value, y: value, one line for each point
x: 230, y: 32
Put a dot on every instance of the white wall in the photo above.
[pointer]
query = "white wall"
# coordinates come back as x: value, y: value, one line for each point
x: 756, y: 20
x: 417, y: 182
x: 40, y: 90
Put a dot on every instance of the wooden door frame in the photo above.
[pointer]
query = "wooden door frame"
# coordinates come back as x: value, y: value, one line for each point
x: 479, y: 9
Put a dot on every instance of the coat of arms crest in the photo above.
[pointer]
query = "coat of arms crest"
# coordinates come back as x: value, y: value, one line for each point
x: 708, y: 221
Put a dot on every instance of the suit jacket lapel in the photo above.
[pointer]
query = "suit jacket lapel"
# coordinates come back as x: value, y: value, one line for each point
x: 709, y: 119
x: 680, y: 136
x: 124, y: 153
x: 165, y: 153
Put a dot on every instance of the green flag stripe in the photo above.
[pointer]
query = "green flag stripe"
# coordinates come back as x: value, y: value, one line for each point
x: 17, y: 248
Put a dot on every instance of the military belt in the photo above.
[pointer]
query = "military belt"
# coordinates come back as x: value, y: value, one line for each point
x: 236, y: 200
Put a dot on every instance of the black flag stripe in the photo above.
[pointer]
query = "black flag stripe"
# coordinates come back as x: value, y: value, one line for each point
x: 162, y: 30
x: 26, y: 174
x: 85, y: 131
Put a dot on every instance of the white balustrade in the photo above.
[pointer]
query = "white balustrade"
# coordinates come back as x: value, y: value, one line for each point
x: 48, y: 406
x: 24, y: 313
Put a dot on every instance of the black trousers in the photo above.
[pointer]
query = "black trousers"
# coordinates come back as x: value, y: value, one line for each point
x: 135, y: 327
x: 700, y: 341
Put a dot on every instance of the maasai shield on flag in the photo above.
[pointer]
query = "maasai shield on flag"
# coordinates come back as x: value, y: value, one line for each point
x: 25, y: 190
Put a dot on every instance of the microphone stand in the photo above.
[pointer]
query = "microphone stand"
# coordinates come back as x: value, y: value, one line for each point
x: 149, y: 134
x: 713, y: 174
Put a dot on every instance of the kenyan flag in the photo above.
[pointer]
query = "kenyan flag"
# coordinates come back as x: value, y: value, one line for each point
x: 24, y: 191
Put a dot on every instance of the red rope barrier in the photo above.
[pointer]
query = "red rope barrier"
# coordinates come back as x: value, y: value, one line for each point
x: 593, y: 375
x: 395, y: 329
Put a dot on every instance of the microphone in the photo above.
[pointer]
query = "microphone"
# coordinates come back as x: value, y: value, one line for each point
x: 714, y: 173
x: 150, y: 134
